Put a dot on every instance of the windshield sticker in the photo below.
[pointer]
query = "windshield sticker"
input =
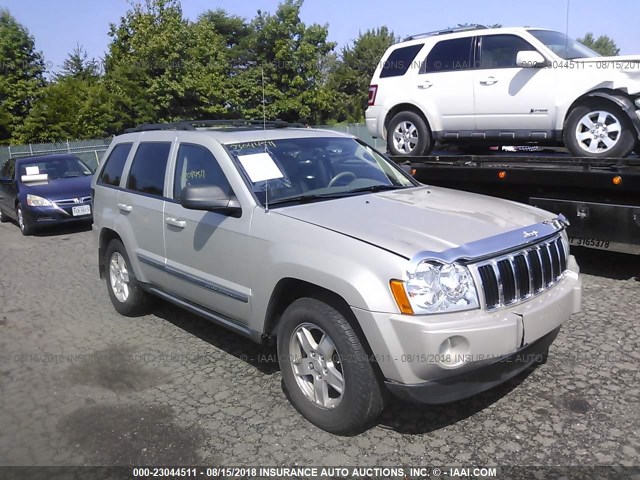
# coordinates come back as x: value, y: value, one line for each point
x: 243, y: 146
x: 260, y: 167
x: 33, y: 170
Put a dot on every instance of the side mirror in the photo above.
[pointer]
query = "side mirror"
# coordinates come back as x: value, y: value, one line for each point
x: 5, y: 180
x: 530, y: 59
x: 210, y: 198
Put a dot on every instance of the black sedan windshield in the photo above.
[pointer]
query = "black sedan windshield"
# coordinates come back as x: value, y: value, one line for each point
x: 305, y: 169
x: 62, y: 167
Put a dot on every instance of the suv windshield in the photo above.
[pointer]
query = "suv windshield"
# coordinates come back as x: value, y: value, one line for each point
x: 63, y: 167
x: 304, y: 169
x: 563, y: 46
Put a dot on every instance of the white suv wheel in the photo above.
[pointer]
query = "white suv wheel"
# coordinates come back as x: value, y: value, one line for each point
x: 598, y: 131
x: 405, y: 137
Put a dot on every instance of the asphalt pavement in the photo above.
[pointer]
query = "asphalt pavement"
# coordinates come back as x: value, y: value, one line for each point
x: 82, y: 385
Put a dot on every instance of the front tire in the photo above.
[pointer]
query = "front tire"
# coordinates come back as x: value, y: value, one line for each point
x: 3, y: 217
x: 599, y: 129
x: 125, y: 292
x: 25, y: 226
x: 327, y: 374
x: 408, y: 134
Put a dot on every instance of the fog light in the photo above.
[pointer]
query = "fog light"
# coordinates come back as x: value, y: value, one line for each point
x: 453, y: 352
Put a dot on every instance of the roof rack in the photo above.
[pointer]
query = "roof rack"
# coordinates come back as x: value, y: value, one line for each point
x: 467, y: 28
x: 192, y: 125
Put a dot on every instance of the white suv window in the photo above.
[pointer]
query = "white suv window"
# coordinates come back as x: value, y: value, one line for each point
x: 501, y: 51
x: 399, y: 61
x: 449, y: 55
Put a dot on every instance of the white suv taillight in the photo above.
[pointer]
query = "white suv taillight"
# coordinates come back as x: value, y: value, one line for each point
x: 373, y: 90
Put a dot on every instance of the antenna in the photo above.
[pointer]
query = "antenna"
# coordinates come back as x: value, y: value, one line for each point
x: 264, y: 129
x: 566, y: 47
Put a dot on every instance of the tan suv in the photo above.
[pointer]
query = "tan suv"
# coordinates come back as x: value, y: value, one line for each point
x: 365, y: 280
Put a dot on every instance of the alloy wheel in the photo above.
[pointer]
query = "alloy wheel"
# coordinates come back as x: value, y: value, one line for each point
x: 316, y: 365
x: 598, y: 131
x: 119, y: 277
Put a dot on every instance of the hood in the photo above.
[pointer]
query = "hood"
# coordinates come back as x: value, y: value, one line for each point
x: 424, y: 218
x: 60, y: 188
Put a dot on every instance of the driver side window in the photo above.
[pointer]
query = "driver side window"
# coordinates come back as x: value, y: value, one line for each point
x: 196, y: 165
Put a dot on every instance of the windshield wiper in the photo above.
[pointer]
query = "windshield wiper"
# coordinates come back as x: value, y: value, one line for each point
x: 306, y: 198
x: 323, y: 196
x: 376, y: 188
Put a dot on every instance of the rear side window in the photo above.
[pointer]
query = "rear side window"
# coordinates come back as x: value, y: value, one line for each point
x: 114, y: 165
x: 399, y: 61
x: 148, y: 168
x: 501, y: 51
x: 449, y: 55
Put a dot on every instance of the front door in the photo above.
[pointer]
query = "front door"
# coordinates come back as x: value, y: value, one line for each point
x: 206, y: 251
x: 508, y: 97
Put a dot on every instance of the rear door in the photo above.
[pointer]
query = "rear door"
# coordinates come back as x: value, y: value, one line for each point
x: 8, y: 188
x: 445, y: 85
x: 140, y: 210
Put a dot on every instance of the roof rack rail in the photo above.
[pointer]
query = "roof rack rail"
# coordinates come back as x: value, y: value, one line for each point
x: 467, y: 28
x: 191, y: 125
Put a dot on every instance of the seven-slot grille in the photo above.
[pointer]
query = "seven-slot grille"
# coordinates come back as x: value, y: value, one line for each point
x: 515, y: 277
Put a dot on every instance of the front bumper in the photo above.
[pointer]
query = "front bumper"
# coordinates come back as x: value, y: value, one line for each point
x: 41, y: 216
x: 464, y: 385
x: 414, y: 350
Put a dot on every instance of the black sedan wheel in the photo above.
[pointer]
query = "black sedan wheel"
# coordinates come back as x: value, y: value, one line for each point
x: 23, y: 223
x: 3, y: 217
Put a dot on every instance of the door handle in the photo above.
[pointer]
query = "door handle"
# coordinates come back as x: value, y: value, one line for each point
x: 124, y: 207
x: 489, y: 81
x: 175, y: 222
x: 425, y: 84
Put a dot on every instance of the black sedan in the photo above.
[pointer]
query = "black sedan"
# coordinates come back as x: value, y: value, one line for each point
x: 45, y: 190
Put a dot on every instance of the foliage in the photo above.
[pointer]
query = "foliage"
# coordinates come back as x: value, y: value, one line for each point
x: 604, y: 45
x: 79, y: 65
x: 351, y: 74
x: 21, y: 74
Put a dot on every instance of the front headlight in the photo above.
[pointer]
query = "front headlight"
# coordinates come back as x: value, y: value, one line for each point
x: 438, y: 288
x: 36, y: 201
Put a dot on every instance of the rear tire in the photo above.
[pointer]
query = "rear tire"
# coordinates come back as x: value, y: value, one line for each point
x: 125, y: 292
x: 409, y: 135
x: 3, y: 217
x: 327, y: 374
x: 599, y: 129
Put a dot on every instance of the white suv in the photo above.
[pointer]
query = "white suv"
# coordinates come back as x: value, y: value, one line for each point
x: 504, y: 86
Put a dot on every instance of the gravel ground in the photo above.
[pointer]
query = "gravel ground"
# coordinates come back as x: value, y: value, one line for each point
x: 81, y: 385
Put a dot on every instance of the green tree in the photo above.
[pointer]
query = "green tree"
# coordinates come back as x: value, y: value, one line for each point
x: 352, y: 72
x: 285, y: 56
x: 162, y: 68
x: 69, y: 109
x: 79, y: 65
x: 21, y: 74
x: 604, y: 44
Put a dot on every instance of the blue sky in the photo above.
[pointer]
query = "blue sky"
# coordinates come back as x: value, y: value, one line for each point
x: 58, y: 25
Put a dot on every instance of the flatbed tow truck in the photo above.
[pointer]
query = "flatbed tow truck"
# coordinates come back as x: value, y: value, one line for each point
x: 600, y: 198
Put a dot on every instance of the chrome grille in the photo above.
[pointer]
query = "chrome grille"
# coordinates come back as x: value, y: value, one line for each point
x: 513, y: 278
x: 72, y: 201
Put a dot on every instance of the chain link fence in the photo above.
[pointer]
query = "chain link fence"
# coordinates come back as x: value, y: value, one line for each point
x: 89, y: 151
